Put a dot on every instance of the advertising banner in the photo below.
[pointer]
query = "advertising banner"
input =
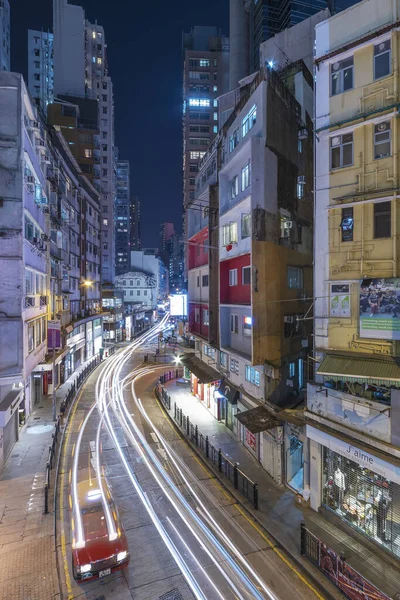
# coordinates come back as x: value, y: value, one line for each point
x: 53, y: 335
x: 380, y: 309
x: 178, y: 305
x: 347, y: 579
x: 340, y: 300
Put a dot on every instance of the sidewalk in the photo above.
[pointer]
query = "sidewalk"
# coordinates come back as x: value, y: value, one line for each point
x: 278, y: 511
x: 27, y: 550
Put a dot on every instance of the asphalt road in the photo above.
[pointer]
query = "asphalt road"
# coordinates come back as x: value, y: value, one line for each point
x: 187, y: 536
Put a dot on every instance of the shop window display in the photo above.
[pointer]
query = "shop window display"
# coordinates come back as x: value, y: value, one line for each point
x: 363, y: 498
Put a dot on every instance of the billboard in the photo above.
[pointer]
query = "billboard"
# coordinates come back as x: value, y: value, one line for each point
x: 178, y: 305
x: 53, y: 335
x: 380, y: 309
x: 340, y: 300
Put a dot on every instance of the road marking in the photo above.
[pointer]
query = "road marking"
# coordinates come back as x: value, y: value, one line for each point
x: 251, y: 521
x: 68, y: 583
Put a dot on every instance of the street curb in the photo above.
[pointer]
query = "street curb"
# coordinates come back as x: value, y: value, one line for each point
x: 247, y: 507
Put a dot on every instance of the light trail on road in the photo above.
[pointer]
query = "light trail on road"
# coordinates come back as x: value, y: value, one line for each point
x: 195, y: 528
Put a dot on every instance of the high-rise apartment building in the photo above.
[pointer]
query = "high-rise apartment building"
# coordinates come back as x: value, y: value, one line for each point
x: 122, y: 218
x: 41, y: 67
x: 4, y: 35
x: 80, y: 69
x: 167, y: 230
x: 134, y: 226
x: 176, y: 262
x: 353, y: 406
x: 205, y: 77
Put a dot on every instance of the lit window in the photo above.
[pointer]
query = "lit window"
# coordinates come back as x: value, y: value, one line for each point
x: 233, y: 363
x: 215, y: 103
x: 99, y: 60
x: 229, y: 233
x: 233, y: 140
x: 94, y: 35
x: 215, y: 88
x: 342, y: 76
x: 215, y: 116
x: 199, y: 102
x: 94, y: 59
x: 382, y: 60
x: 88, y: 153
x: 215, y: 128
x: 204, y: 62
x: 252, y: 375
x: 249, y: 120
x: 300, y: 191
x: 206, y: 317
x: 105, y: 222
x: 247, y: 323
x: 245, y: 177
x: 194, y: 155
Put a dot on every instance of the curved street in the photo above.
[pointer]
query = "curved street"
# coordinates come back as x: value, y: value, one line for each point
x: 186, y: 534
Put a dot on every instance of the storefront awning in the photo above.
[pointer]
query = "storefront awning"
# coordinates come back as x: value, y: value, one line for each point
x: 203, y: 372
x: 365, y: 368
x: 227, y: 390
x: 257, y: 419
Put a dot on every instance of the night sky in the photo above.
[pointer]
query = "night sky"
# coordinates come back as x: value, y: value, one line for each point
x: 145, y: 62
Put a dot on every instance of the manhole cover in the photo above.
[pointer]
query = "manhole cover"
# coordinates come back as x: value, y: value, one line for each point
x: 172, y: 595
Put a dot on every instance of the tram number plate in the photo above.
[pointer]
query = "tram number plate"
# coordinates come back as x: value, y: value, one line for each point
x: 104, y: 573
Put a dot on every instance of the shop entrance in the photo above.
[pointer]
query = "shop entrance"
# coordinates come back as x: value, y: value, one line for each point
x: 295, y: 464
x: 362, y: 498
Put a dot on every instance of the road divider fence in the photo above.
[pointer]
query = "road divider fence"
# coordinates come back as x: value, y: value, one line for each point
x: 240, y: 481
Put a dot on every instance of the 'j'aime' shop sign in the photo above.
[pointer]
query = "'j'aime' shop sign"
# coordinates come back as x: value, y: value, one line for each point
x: 380, y: 309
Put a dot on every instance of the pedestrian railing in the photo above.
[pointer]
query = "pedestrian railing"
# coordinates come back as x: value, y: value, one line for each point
x: 79, y: 380
x: 240, y: 481
x: 334, y: 566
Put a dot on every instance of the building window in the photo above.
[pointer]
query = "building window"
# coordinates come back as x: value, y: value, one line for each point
x: 342, y: 76
x: 215, y: 88
x: 205, y: 281
x: 247, y: 322
x: 342, y: 151
x: 215, y: 116
x: 104, y: 171
x: 249, y: 120
x: 246, y: 224
x: 131, y: 292
x: 197, y: 315
x: 31, y: 337
x: 246, y: 275
x: 233, y: 277
x: 215, y: 102
x: 234, y: 366
x: 252, y: 375
x: 229, y: 233
x: 215, y: 62
x: 196, y: 155
x: 300, y: 191
x: 206, y: 317
x: 104, y: 160
x: 215, y: 129
x: 347, y: 224
x: 289, y: 326
x: 104, y: 110
x: 105, y: 222
x: 245, y: 177
x: 382, y: 59
x: 234, y: 187
x: 192, y: 181
x: 88, y: 153
x: 234, y: 323
x: 138, y: 293
x: 234, y: 140
x: 223, y: 359
x: 382, y: 220
x: 199, y: 102
x: 382, y: 137
x: 292, y: 369
x: 295, y: 278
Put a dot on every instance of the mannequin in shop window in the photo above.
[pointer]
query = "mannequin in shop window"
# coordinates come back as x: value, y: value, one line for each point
x: 382, y: 503
x: 339, y: 481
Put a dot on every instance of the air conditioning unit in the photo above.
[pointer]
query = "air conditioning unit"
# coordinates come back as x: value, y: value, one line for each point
x: 301, y: 179
x: 288, y: 224
x: 29, y: 179
x: 290, y: 319
x: 303, y: 134
x: 34, y: 124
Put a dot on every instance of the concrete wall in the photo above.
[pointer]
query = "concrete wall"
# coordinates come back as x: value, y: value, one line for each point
x: 69, y: 48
